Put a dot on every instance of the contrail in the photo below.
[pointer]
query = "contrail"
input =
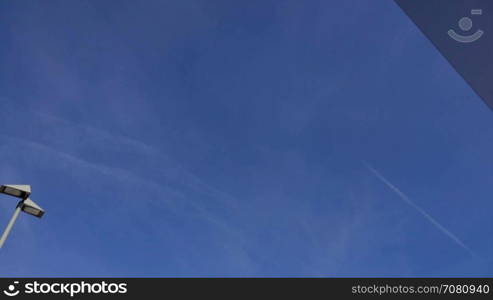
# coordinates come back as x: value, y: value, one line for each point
x: 419, y: 209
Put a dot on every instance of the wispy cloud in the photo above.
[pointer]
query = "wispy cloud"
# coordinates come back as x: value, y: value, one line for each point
x: 122, y: 174
x: 406, y: 199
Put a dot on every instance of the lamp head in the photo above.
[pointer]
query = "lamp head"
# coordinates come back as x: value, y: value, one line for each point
x: 28, y: 206
x: 19, y: 191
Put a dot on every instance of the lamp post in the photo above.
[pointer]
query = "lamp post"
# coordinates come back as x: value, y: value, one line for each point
x: 25, y: 204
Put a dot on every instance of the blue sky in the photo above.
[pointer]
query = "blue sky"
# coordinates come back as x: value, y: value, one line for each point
x: 229, y: 138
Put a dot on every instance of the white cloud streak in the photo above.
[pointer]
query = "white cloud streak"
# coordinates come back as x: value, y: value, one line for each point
x: 406, y: 199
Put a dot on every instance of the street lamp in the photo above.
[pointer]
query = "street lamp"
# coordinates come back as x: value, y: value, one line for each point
x: 25, y: 204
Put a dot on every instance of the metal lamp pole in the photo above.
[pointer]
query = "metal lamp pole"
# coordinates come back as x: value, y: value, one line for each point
x: 11, y: 224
